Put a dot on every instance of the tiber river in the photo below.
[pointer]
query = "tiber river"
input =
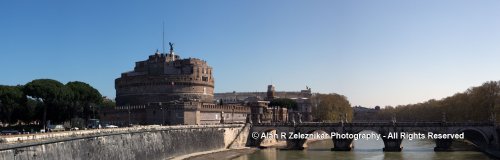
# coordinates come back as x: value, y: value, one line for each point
x: 369, y: 150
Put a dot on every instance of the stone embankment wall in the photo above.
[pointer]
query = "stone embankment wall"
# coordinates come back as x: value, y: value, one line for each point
x: 157, y: 142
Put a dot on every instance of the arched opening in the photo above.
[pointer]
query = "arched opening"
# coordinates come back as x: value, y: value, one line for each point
x: 370, y: 143
x: 474, y: 138
x: 269, y: 138
x: 416, y: 140
x: 319, y: 141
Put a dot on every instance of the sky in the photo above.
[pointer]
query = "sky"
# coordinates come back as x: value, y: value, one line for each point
x: 374, y: 52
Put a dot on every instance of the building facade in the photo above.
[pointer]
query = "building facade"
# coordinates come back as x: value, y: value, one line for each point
x: 166, y: 89
x: 303, y: 99
x: 164, y: 78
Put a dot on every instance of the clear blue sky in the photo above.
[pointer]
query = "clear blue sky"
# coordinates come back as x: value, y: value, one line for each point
x: 373, y: 52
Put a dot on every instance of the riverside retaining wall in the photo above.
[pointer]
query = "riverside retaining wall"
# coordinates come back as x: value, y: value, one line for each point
x: 160, y: 142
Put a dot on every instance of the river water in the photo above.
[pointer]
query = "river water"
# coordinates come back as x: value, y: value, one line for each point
x: 366, y: 149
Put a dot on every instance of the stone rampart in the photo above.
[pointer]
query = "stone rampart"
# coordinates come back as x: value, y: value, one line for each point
x: 153, y: 142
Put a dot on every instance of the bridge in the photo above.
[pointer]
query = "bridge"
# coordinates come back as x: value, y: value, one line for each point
x: 481, y: 135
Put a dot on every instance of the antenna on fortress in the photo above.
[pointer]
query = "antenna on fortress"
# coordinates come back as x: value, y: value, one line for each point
x: 163, y: 38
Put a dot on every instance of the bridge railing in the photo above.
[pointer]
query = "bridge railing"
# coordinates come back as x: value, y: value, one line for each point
x: 380, y: 123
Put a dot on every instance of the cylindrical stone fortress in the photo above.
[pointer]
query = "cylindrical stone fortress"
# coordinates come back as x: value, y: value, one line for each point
x: 163, y: 78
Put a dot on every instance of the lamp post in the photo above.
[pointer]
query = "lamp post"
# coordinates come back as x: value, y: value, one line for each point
x: 163, y: 115
x: 128, y: 107
x: 93, y: 111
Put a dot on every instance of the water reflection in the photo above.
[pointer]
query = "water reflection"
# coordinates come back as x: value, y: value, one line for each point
x: 364, y: 149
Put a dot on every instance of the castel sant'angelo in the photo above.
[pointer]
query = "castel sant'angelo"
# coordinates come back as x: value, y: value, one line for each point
x: 166, y: 89
x: 165, y: 78
x: 169, y: 90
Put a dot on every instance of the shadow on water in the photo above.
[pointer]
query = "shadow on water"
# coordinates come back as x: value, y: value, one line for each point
x: 366, y: 149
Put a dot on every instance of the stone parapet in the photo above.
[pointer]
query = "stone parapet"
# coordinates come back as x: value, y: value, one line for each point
x: 13, y: 139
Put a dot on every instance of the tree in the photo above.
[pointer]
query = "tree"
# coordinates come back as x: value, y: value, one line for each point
x: 107, y: 103
x: 475, y: 104
x: 52, y: 93
x: 332, y: 107
x: 30, y: 112
x: 284, y: 102
x: 12, y: 99
x: 85, y: 99
x: 49, y: 99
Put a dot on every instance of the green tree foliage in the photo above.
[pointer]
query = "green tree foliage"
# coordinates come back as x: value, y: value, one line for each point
x: 331, y: 107
x: 108, y: 103
x: 31, y: 111
x: 47, y: 99
x: 52, y: 94
x: 284, y: 102
x: 84, y: 99
x: 12, y: 101
x: 475, y: 104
